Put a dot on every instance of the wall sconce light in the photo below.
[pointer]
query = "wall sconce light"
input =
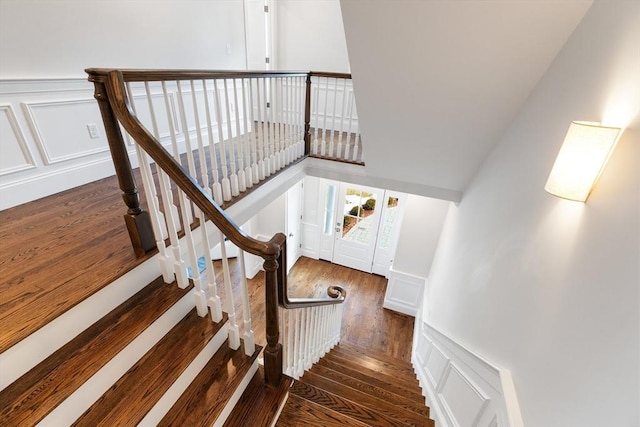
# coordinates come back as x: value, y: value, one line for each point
x: 581, y: 159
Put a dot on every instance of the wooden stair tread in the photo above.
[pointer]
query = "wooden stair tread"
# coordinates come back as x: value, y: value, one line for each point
x: 398, y: 370
x: 381, y: 393
x: 260, y: 403
x: 344, y: 406
x: 374, y: 378
x: 347, y: 347
x: 301, y: 412
x: 205, y: 398
x: 378, y: 405
x: 130, y: 399
x: 39, y: 391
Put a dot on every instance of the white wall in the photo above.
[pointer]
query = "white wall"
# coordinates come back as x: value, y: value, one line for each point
x: 421, y: 226
x: 271, y: 219
x: 310, y: 36
x: 53, y: 39
x: 545, y: 287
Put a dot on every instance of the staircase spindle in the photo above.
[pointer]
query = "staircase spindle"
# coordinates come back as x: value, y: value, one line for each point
x: 247, y: 135
x: 316, y: 113
x: 261, y: 130
x: 350, y: 120
x: 234, y: 334
x: 226, y: 183
x: 191, y: 164
x: 333, y: 118
x: 242, y: 182
x: 249, y: 342
x: 342, y: 116
x: 216, y: 187
x: 323, y: 149
x: 255, y: 171
x: 202, y: 157
x: 231, y: 149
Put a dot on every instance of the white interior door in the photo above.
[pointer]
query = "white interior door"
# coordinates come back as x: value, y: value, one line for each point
x: 357, y: 223
x: 294, y: 224
x: 391, y: 218
x: 256, y: 34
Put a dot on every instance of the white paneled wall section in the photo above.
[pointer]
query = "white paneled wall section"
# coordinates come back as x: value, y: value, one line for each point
x: 46, y: 146
x: 462, y: 388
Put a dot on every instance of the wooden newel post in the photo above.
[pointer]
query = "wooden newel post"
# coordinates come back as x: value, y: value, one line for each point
x: 273, y: 350
x: 307, y: 117
x: 137, y: 219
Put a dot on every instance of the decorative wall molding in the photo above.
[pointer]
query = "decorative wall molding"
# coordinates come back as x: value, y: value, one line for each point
x: 462, y: 388
x: 403, y: 292
x: 44, y: 131
x: 15, y: 141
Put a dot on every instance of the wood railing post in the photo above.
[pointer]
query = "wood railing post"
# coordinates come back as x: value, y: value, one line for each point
x: 307, y: 117
x: 273, y: 350
x: 137, y: 219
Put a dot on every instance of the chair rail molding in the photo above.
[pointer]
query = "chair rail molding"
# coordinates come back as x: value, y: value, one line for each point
x: 461, y: 387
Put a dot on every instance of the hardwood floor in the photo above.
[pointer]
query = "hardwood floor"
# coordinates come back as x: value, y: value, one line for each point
x: 56, y: 251
x: 365, y: 323
x: 59, y: 250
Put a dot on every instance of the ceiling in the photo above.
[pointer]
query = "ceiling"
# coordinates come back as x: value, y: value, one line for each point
x: 438, y: 82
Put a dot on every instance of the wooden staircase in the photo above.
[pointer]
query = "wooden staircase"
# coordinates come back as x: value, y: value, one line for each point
x: 352, y: 387
x: 188, y: 364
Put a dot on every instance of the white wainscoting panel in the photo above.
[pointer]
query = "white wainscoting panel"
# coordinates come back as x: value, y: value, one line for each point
x: 59, y: 128
x: 404, y: 292
x: 16, y: 155
x: 45, y: 144
x: 462, y: 389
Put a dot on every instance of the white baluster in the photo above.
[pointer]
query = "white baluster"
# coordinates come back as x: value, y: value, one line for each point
x: 323, y: 147
x: 170, y: 209
x: 333, y: 119
x: 255, y: 172
x: 261, y: 127
x: 342, y: 117
x: 235, y: 190
x: 154, y: 124
x: 187, y: 136
x: 234, y: 334
x: 242, y: 182
x: 302, y: 358
x: 290, y: 336
x: 356, y: 147
x: 216, y: 187
x: 226, y: 184
x: 316, y: 113
x: 350, y: 119
x: 248, y: 132
x: 302, y: 94
x: 202, y: 157
x: 249, y: 342
x: 268, y: 136
x: 211, y: 288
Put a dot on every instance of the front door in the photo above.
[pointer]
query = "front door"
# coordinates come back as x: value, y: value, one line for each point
x: 357, y: 221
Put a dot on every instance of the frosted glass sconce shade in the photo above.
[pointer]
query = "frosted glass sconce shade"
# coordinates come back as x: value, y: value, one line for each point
x: 581, y: 159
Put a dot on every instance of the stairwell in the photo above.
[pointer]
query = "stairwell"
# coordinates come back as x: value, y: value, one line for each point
x: 118, y: 346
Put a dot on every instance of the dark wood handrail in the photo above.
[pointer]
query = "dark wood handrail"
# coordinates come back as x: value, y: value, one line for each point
x: 141, y: 75
x: 329, y: 74
x: 336, y: 293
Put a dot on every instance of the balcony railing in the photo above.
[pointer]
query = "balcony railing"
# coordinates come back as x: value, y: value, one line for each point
x: 203, y: 138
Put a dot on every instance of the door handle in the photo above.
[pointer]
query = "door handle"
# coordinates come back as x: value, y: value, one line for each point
x: 290, y: 234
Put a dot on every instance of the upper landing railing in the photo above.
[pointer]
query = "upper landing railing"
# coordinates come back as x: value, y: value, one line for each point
x: 201, y: 139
